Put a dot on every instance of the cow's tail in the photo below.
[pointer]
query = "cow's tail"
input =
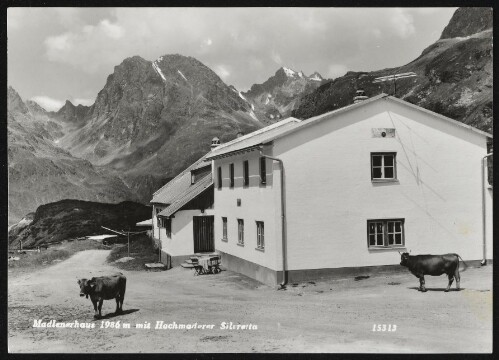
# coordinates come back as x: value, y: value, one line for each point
x: 465, y: 265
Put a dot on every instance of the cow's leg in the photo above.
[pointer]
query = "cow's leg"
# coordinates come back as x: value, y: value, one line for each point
x: 122, y: 298
x: 458, y: 278
x: 100, y: 306
x: 451, y: 279
x: 421, y: 283
x: 117, y: 311
x: 96, y: 314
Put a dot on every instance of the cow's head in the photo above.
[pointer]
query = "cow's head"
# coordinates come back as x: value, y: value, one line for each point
x: 86, y: 286
x: 404, y: 258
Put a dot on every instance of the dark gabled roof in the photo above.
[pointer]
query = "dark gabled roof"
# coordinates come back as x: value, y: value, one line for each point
x: 188, y: 195
x: 268, y: 134
x: 179, y: 185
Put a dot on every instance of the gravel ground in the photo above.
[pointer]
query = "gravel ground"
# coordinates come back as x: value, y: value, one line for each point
x: 325, y: 316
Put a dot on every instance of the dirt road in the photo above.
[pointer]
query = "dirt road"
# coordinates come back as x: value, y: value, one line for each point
x: 330, y: 316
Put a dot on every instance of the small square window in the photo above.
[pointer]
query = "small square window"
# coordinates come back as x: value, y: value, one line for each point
x: 383, y: 166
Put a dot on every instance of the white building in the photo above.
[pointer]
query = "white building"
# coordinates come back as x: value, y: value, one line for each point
x: 349, y: 189
x: 183, y: 214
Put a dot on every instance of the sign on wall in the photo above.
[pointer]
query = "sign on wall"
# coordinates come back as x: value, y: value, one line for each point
x: 383, y: 132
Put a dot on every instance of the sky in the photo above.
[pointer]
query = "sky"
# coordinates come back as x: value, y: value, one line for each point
x: 59, y: 54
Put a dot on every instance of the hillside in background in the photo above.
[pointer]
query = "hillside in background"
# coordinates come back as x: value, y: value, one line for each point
x: 454, y: 76
x: 68, y: 219
x: 40, y: 172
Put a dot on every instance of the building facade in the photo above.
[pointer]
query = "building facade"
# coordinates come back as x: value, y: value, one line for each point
x: 348, y: 190
x: 182, y: 215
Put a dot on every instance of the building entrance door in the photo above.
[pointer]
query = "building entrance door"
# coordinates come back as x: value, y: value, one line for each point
x: 203, y: 234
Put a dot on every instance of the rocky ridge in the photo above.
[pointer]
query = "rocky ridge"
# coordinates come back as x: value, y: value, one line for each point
x: 454, y: 76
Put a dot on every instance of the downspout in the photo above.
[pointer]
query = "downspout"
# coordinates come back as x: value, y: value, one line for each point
x: 484, y: 222
x: 283, y: 219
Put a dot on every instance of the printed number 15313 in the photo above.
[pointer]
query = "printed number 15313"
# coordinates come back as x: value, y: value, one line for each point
x: 384, y: 327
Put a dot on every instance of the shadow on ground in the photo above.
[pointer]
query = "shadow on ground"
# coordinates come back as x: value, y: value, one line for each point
x: 112, y: 315
x: 436, y: 289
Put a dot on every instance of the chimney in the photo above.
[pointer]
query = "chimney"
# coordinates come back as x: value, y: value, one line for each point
x: 215, y: 142
x: 239, y: 134
x: 360, y: 95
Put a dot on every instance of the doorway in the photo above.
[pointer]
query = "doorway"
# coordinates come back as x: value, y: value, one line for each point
x: 203, y: 234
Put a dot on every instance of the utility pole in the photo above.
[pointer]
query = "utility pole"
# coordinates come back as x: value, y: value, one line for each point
x: 128, y: 234
x: 394, y: 78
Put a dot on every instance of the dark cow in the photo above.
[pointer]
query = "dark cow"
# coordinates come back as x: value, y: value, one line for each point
x: 434, y: 265
x: 104, y: 288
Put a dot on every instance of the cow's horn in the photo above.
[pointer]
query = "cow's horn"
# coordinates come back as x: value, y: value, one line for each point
x: 399, y: 253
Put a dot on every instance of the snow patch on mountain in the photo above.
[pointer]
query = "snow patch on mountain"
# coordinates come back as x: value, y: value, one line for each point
x: 315, y: 77
x: 242, y: 97
x: 180, y: 72
x: 289, y: 72
x: 158, y: 70
x: 252, y: 114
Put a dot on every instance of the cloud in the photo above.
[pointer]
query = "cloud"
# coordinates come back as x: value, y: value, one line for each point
x: 85, y: 102
x: 48, y: 103
x: 336, y: 70
x: 113, y: 31
x: 245, y: 45
x: 276, y: 58
x: 402, y: 23
x: 222, y: 71
x: 83, y: 47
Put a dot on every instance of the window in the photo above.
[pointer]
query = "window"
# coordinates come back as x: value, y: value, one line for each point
x: 231, y: 168
x: 263, y: 170
x: 383, y: 166
x: 385, y: 233
x: 240, y: 232
x: 219, y: 179
x: 260, y: 240
x: 246, y: 172
x: 166, y: 223
x: 158, y: 210
x: 224, y: 228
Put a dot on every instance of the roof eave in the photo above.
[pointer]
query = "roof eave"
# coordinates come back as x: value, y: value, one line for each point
x: 236, y: 152
x: 440, y: 116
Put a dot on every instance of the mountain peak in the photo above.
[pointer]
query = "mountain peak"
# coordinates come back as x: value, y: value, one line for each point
x: 316, y: 76
x: 14, y: 101
x: 468, y: 21
x: 34, y: 107
x: 289, y: 72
